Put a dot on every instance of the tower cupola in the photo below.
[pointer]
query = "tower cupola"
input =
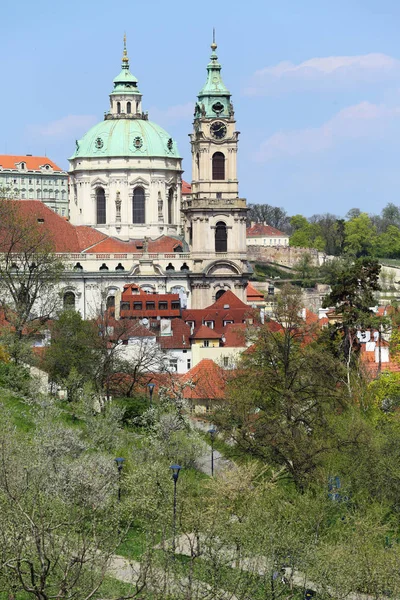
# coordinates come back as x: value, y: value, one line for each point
x: 125, y: 99
x: 214, y: 99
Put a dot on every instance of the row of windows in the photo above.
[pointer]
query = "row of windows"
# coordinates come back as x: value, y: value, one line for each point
x: 29, y: 181
x: 128, y: 107
x: 175, y: 305
x: 138, y: 206
x: 120, y: 267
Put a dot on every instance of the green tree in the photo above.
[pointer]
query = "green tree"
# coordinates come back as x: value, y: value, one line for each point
x: 74, y: 353
x: 353, y: 284
x: 283, y: 397
x: 360, y: 236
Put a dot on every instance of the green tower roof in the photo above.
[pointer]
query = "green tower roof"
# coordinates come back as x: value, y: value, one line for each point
x: 214, y: 99
x: 125, y: 82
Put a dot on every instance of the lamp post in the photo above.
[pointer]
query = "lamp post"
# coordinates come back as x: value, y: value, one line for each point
x: 151, y: 387
x: 212, y: 433
x: 120, y: 463
x: 175, y: 474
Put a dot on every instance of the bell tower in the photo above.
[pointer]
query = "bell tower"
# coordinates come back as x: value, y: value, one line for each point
x: 214, y: 215
x: 214, y: 139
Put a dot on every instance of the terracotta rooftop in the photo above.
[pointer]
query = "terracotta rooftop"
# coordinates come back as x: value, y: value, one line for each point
x: 253, y: 294
x: 160, y: 245
x: 186, y: 187
x: 208, y: 381
x: 228, y: 300
x: 33, y: 163
x: 179, y: 338
x: 235, y: 335
x: 205, y: 333
x: 260, y: 229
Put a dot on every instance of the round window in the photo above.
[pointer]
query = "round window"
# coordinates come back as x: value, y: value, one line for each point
x: 138, y: 142
x: 99, y: 143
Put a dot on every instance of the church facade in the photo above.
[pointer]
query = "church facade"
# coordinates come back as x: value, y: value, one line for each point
x: 126, y: 188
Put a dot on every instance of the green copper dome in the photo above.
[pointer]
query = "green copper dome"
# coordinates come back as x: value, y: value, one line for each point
x: 126, y: 137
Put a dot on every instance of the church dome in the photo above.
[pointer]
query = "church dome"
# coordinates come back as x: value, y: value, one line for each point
x: 126, y: 137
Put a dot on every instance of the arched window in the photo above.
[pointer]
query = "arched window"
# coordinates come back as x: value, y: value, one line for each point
x: 103, y: 267
x: 118, y: 107
x: 120, y: 267
x: 110, y: 302
x: 128, y: 108
x: 184, y: 267
x: 219, y: 294
x: 100, y: 206
x: 170, y: 267
x: 138, y: 207
x: 218, y: 166
x: 170, y: 205
x: 221, y: 237
x: 69, y: 301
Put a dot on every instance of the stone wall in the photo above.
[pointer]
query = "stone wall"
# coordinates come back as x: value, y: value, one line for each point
x: 286, y: 256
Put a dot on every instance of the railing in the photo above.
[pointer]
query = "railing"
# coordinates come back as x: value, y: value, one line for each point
x: 132, y: 256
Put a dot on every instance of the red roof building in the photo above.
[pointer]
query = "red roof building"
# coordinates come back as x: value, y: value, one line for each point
x: 265, y: 235
x: 226, y: 310
x: 35, y: 177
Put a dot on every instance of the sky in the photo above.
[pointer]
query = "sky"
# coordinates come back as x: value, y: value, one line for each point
x: 315, y: 85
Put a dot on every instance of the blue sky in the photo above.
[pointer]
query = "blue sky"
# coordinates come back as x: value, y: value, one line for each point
x: 315, y: 84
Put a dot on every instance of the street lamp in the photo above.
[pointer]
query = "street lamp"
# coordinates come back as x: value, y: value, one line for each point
x: 151, y: 387
x: 175, y: 474
x: 120, y: 463
x: 213, y: 433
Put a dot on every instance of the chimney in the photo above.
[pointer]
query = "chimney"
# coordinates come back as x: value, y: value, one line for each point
x: 252, y: 224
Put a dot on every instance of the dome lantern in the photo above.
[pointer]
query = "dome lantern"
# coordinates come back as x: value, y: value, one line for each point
x: 125, y: 99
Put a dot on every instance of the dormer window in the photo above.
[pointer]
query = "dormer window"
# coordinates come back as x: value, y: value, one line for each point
x: 23, y: 166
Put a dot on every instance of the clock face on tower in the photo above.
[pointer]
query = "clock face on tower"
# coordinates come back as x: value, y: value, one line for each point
x: 218, y: 130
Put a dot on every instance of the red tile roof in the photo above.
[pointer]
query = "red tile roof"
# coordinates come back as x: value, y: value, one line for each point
x: 230, y: 300
x: 186, y: 187
x: 253, y: 295
x: 205, y: 333
x: 208, y: 381
x: 33, y: 163
x: 179, y: 340
x: 235, y: 335
x: 110, y: 245
x: 236, y: 311
x: 260, y: 229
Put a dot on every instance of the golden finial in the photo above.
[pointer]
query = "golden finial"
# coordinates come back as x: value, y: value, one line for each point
x: 213, y: 45
x: 125, y: 58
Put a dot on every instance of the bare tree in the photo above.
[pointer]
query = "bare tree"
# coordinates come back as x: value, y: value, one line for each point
x: 29, y: 268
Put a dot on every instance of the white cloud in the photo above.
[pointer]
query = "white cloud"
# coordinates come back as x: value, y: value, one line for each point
x: 327, y: 71
x: 172, y: 115
x: 358, y: 122
x: 70, y: 125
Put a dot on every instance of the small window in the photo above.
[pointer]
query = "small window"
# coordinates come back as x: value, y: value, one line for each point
x: 209, y: 324
x: 118, y: 107
x: 227, y: 323
x: 124, y: 306
x: 206, y: 343
x: 110, y: 302
x: 189, y: 364
x: 78, y: 267
x: 221, y: 237
x: 103, y: 267
x: 30, y: 181
x: 219, y: 195
x: 184, y: 267
x: 138, y: 206
x: 226, y: 361
x: 128, y: 108
x: 219, y: 294
x: 137, y: 306
x: 69, y: 301
x: 120, y: 267
x: 163, y: 305
x: 170, y: 267
x: 100, y: 206
x: 175, y: 305
x: 178, y: 249
x: 150, y: 305
x: 218, y: 166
